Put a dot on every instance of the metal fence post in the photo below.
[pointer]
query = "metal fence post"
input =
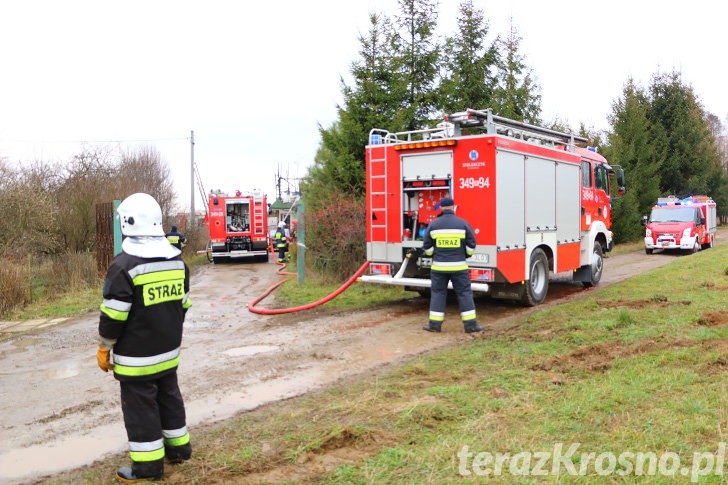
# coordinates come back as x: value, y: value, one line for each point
x: 301, y: 249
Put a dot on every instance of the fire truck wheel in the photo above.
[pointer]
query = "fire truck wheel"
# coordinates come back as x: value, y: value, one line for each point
x: 649, y: 251
x: 597, y: 266
x: 709, y: 244
x: 538, y: 284
x: 695, y: 249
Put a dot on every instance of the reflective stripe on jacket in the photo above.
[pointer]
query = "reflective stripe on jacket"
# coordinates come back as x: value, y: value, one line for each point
x: 280, y: 239
x: 144, y: 306
x: 449, y: 239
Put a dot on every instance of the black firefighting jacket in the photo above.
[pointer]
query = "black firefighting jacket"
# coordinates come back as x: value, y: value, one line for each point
x: 449, y: 239
x: 144, y: 307
x: 281, y: 239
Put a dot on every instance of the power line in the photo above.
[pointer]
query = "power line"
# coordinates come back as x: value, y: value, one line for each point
x: 95, y: 141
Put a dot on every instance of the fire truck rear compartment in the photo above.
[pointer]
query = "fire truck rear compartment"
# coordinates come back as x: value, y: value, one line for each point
x: 237, y: 229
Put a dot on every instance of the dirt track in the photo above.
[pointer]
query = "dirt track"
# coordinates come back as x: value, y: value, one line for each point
x: 59, y: 411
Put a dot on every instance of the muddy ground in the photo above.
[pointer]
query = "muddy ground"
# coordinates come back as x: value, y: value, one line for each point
x: 59, y: 411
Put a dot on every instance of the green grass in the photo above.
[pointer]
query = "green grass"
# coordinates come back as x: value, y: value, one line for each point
x: 69, y: 304
x: 74, y: 302
x: 358, y: 295
x: 636, y: 367
x: 628, y: 247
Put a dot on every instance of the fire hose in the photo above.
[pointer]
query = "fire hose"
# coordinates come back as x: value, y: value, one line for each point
x: 278, y: 311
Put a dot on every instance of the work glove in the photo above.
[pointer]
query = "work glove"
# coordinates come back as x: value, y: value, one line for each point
x: 103, y: 357
x: 415, y: 253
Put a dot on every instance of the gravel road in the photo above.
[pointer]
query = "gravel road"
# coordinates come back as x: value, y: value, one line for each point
x: 58, y: 411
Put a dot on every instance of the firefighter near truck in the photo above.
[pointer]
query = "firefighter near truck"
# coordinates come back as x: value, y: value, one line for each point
x: 537, y: 200
x: 238, y: 226
x: 687, y: 224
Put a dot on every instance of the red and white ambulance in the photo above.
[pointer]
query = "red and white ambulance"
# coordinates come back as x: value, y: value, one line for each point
x: 537, y: 202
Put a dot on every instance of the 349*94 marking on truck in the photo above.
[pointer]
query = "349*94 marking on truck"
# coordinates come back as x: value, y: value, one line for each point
x: 473, y: 183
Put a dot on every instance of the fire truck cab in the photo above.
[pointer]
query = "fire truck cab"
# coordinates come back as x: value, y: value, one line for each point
x: 537, y: 203
x: 687, y: 224
x: 238, y: 226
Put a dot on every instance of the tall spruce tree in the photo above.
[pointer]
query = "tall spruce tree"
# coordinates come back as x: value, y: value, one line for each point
x: 632, y: 145
x: 417, y: 57
x: 369, y: 102
x: 690, y: 154
x: 468, y: 80
x: 517, y: 93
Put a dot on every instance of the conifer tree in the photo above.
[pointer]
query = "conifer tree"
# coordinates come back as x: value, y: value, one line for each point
x: 416, y: 64
x: 468, y: 80
x: 690, y: 154
x: 517, y: 93
x: 632, y: 146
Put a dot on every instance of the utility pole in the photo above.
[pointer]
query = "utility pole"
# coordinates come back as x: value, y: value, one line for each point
x: 192, y: 178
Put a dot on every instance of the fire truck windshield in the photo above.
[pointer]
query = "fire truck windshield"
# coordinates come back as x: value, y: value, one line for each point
x: 673, y: 214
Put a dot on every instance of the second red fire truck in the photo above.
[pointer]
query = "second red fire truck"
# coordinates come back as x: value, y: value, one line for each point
x: 238, y: 226
x: 537, y: 202
x: 687, y: 224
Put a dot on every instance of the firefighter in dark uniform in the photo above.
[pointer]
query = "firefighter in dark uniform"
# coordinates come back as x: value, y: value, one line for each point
x: 450, y: 240
x: 146, y: 297
x: 176, y: 239
x: 281, y: 242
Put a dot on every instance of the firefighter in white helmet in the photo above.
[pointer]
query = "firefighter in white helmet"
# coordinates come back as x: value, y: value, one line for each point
x: 146, y: 297
x: 281, y: 241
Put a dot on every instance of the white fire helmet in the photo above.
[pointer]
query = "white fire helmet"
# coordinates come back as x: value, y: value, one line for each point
x: 140, y: 215
x: 282, y: 224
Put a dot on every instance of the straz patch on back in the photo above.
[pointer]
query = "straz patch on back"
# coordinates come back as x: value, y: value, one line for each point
x: 162, y: 291
x: 447, y: 242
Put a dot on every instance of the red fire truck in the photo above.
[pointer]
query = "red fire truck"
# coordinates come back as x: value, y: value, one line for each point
x: 238, y: 226
x: 687, y: 224
x: 537, y: 202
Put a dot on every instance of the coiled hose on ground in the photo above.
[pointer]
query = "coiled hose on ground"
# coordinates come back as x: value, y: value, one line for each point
x: 278, y: 311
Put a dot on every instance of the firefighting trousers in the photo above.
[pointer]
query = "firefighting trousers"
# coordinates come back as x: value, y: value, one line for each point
x: 282, y: 250
x: 154, y: 416
x: 463, y: 292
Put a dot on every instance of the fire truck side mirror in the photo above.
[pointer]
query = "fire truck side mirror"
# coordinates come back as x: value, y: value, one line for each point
x: 620, y: 182
x: 644, y: 220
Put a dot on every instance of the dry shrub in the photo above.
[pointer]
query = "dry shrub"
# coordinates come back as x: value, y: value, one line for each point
x: 71, y: 271
x: 14, y: 284
x: 336, y: 235
x: 33, y: 278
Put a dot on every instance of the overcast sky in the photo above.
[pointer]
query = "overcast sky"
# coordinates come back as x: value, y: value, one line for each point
x: 255, y: 79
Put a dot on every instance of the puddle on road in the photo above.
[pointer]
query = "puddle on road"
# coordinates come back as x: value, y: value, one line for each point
x: 17, y: 466
x: 216, y: 407
x: 249, y: 350
x: 62, y: 373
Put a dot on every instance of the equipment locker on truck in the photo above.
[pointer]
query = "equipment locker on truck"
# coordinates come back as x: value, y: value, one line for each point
x: 536, y: 201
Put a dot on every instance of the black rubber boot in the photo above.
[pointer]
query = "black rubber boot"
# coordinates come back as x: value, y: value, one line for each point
x: 473, y: 327
x: 178, y: 454
x: 126, y: 475
x: 433, y: 327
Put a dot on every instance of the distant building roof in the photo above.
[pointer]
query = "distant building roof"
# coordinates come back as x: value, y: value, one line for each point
x: 280, y: 205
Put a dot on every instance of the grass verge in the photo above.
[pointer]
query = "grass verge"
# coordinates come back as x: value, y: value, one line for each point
x: 76, y: 300
x: 637, y: 367
x: 358, y: 295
